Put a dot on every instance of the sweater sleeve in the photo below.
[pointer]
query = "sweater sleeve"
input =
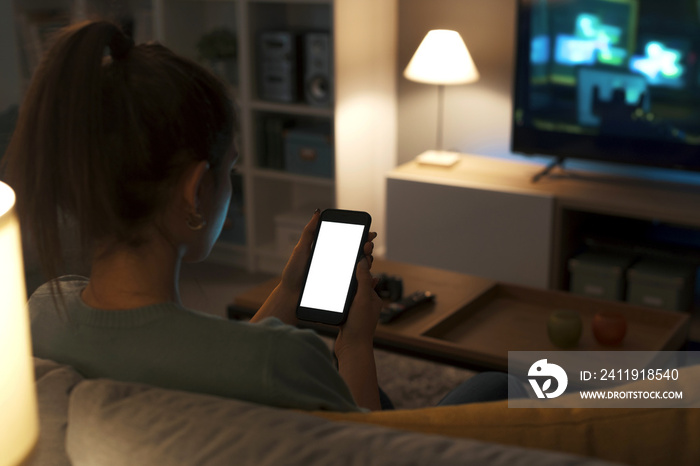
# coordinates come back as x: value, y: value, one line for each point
x: 302, y: 373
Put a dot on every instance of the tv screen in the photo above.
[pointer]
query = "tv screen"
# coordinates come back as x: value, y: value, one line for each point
x: 608, y: 80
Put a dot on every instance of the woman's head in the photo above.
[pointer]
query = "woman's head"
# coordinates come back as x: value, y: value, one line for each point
x: 105, y: 134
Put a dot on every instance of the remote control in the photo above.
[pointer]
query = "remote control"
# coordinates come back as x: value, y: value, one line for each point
x: 393, y: 310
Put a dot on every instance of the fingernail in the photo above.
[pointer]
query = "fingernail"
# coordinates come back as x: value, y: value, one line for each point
x: 317, y: 211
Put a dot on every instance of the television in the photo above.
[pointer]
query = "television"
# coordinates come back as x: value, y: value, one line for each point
x: 608, y: 80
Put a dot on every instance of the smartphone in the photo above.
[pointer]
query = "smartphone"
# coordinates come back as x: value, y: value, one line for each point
x: 330, y: 282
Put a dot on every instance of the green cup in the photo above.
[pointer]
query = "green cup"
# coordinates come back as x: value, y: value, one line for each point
x: 564, y: 328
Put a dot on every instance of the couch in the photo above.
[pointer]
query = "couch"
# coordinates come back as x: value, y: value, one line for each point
x: 106, y: 422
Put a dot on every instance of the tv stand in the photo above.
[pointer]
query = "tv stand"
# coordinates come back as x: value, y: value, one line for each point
x: 557, y: 162
x: 485, y: 217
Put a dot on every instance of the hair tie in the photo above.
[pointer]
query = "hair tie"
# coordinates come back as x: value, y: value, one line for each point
x: 120, y: 45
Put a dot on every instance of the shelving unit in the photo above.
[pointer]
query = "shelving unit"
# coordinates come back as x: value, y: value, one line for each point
x: 360, y: 120
x: 356, y: 73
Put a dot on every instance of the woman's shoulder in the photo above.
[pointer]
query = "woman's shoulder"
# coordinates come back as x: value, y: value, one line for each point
x: 65, y: 288
x: 63, y: 284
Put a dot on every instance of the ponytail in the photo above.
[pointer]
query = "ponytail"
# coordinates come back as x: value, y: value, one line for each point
x: 98, y: 136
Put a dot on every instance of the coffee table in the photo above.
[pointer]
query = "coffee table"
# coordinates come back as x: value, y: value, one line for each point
x: 474, y: 322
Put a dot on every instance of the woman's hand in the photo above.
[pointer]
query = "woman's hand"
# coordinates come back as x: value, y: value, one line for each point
x: 283, y: 300
x: 354, y: 345
x: 293, y: 274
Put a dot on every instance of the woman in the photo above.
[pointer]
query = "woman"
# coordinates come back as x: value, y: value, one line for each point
x: 135, y: 147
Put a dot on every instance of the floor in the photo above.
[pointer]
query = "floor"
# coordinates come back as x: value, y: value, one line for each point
x: 409, y: 382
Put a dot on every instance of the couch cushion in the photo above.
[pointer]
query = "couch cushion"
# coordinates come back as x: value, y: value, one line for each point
x: 115, y: 423
x: 54, y: 383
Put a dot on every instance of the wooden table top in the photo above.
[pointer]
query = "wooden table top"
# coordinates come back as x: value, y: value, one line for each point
x: 474, y: 321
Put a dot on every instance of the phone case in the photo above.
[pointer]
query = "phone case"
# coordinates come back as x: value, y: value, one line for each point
x: 326, y: 316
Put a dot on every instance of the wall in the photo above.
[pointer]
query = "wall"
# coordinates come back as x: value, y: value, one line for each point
x: 477, y: 116
x: 9, y: 71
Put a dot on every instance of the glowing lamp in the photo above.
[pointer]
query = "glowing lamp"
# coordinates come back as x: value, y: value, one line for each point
x: 442, y: 58
x: 19, y: 424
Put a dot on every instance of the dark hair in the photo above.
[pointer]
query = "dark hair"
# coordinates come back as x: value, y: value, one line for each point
x: 101, y: 138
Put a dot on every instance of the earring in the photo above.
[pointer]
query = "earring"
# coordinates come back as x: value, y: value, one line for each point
x: 195, y: 222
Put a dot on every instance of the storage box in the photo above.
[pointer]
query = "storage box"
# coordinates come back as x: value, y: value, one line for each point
x: 599, y: 275
x: 309, y: 152
x: 661, y: 284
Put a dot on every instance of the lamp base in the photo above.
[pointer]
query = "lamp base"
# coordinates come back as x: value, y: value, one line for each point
x: 439, y: 158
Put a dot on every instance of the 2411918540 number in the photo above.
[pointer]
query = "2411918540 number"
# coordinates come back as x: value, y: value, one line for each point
x: 638, y: 374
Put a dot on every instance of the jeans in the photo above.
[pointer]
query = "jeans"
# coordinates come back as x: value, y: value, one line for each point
x: 485, y: 386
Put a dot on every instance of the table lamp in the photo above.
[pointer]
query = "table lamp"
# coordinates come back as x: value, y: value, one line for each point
x: 442, y: 58
x: 19, y: 423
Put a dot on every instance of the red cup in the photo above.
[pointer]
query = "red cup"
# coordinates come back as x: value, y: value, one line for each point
x: 609, y: 327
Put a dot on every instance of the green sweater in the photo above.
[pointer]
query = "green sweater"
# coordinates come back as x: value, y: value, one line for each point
x: 172, y: 347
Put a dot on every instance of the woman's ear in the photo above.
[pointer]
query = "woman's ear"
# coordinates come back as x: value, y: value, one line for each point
x: 193, y: 178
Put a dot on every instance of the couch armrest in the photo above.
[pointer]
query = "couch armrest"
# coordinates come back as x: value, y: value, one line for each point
x: 115, y: 423
x: 632, y: 436
x: 640, y: 436
x: 54, y: 383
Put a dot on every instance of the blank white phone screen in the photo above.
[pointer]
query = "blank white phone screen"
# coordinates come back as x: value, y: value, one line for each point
x: 332, y: 266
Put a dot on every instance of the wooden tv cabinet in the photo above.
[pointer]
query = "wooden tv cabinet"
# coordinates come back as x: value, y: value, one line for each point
x: 485, y: 217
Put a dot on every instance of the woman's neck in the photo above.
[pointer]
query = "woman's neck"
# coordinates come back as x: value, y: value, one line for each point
x: 126, y: 278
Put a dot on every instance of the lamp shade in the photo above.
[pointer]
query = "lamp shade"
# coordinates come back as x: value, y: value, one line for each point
x: 442, y: 58
x: 19, y: 424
